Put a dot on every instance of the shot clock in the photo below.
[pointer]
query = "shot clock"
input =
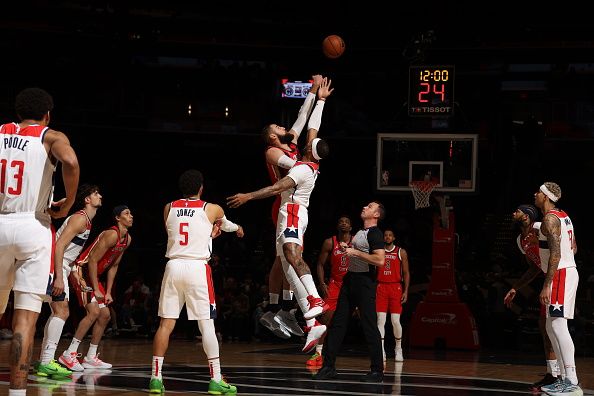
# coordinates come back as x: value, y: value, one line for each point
x: 431, y: 91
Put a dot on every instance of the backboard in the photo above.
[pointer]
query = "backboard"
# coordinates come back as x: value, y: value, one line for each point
x: 450, y: 160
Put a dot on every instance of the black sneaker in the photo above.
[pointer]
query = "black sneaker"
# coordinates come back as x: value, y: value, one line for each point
x: 548, y: 379
x: 373, y: 376
x: 325, y: 373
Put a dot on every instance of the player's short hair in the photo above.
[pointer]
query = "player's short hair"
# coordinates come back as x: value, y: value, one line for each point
x: 84, y: 190
x: 389, y: 229
x: 322, y: 149
x: 117, y: 210
x: 33, y: 104
x: 381, y: 209
x: 266, y: 133
x: 346, y: 217
x: 190, y: 182
x: 554, y: 189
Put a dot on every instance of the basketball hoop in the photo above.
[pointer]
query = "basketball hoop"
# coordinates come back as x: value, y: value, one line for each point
x: 421, y: 191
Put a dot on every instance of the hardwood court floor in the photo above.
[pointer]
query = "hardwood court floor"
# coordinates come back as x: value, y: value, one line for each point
x: 279, y: 369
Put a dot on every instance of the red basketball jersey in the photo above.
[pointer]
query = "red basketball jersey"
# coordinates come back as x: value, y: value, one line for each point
x: 110, y: 256
x: 392, y: 271
x: 339, y: 261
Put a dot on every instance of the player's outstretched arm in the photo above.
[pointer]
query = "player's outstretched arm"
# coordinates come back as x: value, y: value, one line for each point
x: 306, y: 108
x: 283, y: 184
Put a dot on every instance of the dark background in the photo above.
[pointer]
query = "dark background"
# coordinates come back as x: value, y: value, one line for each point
x: 122, y: 75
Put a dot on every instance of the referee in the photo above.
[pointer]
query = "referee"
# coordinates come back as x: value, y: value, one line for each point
x: 358, y: 290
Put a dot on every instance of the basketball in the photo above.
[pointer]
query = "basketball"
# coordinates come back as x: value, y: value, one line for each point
x: 333, y: 46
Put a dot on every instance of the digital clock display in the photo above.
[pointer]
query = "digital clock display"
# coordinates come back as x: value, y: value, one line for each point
x: 431, y: 91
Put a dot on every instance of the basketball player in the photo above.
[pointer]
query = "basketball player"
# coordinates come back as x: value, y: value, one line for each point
x: 331, y: 252
x: 99, y: 260
x: 281, y: 154
x: 296, y: 189
x: 525, y: 216
x: 358, y: 290
x: 188, y: 280
x: 29, y: 154
x: 557, y: 247
x: 392, y: 291
x: 70, y: 240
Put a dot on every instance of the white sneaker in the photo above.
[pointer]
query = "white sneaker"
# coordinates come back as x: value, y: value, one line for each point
x: 288, y: 320
x: 95, y: 363
x: 70, y: 360
x: 267, y: 320
x: 317, y: 306
x: 313, y: 336
x: 398, y: 355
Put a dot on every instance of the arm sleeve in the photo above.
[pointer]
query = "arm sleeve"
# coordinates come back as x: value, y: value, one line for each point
x: 228, y: 225
x: 316, y: 116
x: 286, y: 162
x: 375, y: 238
x: 304, y: 112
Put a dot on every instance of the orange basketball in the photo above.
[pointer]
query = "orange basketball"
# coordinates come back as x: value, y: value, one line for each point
x: 333, y: 46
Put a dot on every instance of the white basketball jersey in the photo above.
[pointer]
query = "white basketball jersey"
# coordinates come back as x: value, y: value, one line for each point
x: 188, y: 230
x: 26, y: 171
x: 78, y: 242
x: 304, y: 174
x: 567, y: 236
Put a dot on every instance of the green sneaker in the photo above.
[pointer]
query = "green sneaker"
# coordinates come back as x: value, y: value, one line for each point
x: 156, y: 386
x: 52, y: 369
x: 221, y: 388
x: 36, y: 365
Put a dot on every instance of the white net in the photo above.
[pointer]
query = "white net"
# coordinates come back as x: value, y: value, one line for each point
x: 421, y: 191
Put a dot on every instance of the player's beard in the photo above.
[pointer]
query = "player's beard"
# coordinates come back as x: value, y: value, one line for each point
x: 286, y: 138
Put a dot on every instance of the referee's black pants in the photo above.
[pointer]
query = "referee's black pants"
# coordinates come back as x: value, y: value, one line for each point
x: 358, y: 290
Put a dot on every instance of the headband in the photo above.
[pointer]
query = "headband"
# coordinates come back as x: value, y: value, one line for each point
x: 548, y: 193
x: 314, y: 148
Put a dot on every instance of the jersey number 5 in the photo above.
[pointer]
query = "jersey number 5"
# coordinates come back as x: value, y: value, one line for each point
x: 184, y: 233
x: 18, y: 175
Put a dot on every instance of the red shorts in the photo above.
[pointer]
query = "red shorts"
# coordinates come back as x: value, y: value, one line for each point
x: 86, y: 297
x: 333, y: 292
x: 388, y: 297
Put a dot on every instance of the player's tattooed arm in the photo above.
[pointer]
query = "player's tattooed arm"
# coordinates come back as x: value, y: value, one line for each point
x: 239, y: 199
x: 551, y: 228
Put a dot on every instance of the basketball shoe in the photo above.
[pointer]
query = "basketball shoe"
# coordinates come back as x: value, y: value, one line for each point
x: 267, y: 320
x: 52, y: 369
x: 221, y: 388
x: 315, y: 360
x: 548, y: 379
x: 156, y: 386
x: 317, y: 306
x: 566, y: 388
x: 314, y: 333
x: 70, y: 360
x: 95, y: 363
x: 288, y: 320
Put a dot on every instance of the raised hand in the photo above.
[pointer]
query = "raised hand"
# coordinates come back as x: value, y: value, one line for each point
x: 237, y: 200
x: 324, y: 91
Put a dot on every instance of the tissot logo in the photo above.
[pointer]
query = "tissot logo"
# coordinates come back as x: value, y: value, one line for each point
x: 443, y: 292
x: 441, y: 318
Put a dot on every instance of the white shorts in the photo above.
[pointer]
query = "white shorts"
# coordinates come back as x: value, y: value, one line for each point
x: 26, y: 243
x: 65, y: 296
x: 563, y: 293
x: 187, y: 282
x: 291, y: 226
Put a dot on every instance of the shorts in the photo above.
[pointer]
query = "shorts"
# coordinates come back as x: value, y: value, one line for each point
x: 187, y: 282
x: 292, y: 223
x: 26, y: 244
x: 66, y: 269
x: 333, y: 292
x: 388, y: 297
x: 563, y: 293
x: 82, y: 288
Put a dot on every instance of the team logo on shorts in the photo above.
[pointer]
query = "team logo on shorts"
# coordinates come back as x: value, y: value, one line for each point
x: 291, y: 232
x: 556, y: 310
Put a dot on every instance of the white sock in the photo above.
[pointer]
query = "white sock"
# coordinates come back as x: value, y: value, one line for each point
x: 92, y: 352
x: 287, y: 295
x: 319, y: 348
x: 273, y: 298
x: 214, y: 365
x: 157, y: 367
x: 17, y: 392
x: 309, y: 284
x: 553, y: 367
x: 398, y: 343
x: 73, y: 345
x: 571, y: 374
x: 51, y: 337
x: 310, y: 322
